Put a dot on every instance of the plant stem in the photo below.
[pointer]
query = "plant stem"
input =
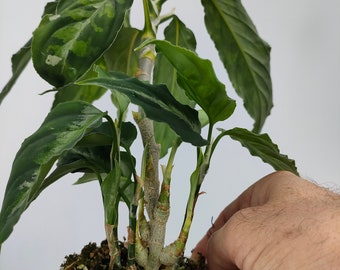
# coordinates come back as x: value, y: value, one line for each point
x: 157, y: 203
x: 171, y: 253
x: 111, y: 236
x: 161, y: 215
x: 133, y: 229
x: 145, y: 68
x: 132, y: 235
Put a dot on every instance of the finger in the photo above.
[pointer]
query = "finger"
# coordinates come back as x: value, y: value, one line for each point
x: 217, y: 255
x: 266, y: 189
x: 201, y: 247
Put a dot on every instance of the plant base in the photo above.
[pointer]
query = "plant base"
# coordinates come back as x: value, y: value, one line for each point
x: 93, y: 257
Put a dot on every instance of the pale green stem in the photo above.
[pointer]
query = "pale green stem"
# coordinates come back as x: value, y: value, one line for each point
x: 172, y: 252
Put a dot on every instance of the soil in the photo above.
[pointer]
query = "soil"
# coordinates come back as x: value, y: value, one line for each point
x: 93, y: 257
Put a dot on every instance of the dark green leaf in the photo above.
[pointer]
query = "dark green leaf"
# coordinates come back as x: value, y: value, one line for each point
x: 128, y: 134
x: 100, y: 136
x: 88, y: 93
x: 63, y: 127
x: 22, y: 57
x: 69, y: 40
x: 244, y: 54
x: 126, y: 187
x: 19, y: 62
x: 157, y: 102
x: 95, y: 159
x: 261, y: 145
x: 50, y: 7
x: 94, y: 149
x: 177, y: 33
x: 95, y: 163
x: 61, y: 171
x: 89, y: 177
x: 198, y: 78
x: 156, y: 6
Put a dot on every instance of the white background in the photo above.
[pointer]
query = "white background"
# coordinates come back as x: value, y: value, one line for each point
x: 305, y: 69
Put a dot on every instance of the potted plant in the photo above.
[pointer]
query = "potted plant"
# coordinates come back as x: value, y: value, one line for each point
x: 87, y: 48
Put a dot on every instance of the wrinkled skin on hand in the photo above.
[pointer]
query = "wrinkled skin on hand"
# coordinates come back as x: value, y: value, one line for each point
x: 280, y: 222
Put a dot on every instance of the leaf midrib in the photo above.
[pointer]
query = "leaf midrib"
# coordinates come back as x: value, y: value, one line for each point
x: 236, y: 40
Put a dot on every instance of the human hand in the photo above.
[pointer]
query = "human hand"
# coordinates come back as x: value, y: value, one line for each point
x: 280, y: 222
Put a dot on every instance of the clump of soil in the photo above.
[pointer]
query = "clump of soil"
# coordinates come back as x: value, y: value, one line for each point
x: 93, y: 257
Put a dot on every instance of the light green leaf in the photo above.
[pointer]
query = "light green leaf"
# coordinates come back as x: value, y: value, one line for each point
x: 157, y: 102
x: 260, y: 145
x: 115, y: 188
x: 164, y: 73
x: 69, y: 40
x: 244, y: 54
x: 63, y: 127
x: 121, y: 102
x: 121, y: 56
x: 111, y: 198
x: 197, y: 77
x: 118, y: 186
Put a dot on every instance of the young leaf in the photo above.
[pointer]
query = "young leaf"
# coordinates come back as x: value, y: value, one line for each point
x: 69, y: 40
x: 244, y: 54
x: 164, y: 72
x: 121, y: 102
x: 117, y: 186
x: 197, y: 77
x: 19, y: 62
x: 63, y: 127
x: 260, y: 145
x: 157, y: 102
x: 110, y: 192
x: 121, y: 56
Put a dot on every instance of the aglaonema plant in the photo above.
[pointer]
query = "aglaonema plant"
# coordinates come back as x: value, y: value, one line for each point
x: 85, y: 48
